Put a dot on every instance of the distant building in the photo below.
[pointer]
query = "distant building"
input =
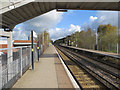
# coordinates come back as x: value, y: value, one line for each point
x: 3, y: 46
x: 23, y: 43
x: 3, y: 41
x: 19, y: 43
x: 29, y: 38
x: 34, y: 36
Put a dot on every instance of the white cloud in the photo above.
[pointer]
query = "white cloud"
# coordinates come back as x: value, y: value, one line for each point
x: 75, y: 28
x: 51, y: 19
x: 58, y: 33
x: 20, y: 34
x: 92, y: 18
x: 108, y: 17
x: 48, y: 20
x: 57, y: 29
x: 19, y: 28
x: 102, y: 17
x: 39, y: 24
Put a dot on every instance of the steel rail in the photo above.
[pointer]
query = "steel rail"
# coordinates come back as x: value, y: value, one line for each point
x: 87, y: 69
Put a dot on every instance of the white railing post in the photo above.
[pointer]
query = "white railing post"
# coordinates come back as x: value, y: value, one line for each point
x: 21, y: 61
x: 0, y: 74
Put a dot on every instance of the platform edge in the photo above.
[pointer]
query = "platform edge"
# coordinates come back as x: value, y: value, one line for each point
x: 74, y: 83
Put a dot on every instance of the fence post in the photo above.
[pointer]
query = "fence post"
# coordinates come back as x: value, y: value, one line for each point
x: 0, y: 74
x: 26, y: 56
x: 21, y: 61
x: 32, y: 50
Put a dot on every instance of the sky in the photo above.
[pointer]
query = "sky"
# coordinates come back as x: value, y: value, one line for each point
x: 61, y: 24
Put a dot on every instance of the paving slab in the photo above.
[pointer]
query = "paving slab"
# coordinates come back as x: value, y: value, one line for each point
x: 47, y: 73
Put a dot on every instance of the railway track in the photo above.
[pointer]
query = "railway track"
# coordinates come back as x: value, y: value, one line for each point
x: 83, y: 78
x: 98, y: 72
x: 110, y: 60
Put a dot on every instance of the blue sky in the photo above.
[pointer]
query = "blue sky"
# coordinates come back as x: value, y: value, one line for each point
x: 61, y: 24
x: 76, y: 17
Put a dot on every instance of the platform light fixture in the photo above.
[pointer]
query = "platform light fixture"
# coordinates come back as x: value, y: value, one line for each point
x: 11, y: 7
x: 61, y: 10
x: 7, y: 29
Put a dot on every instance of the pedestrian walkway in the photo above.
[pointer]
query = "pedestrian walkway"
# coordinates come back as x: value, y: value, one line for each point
x: 48, y: 73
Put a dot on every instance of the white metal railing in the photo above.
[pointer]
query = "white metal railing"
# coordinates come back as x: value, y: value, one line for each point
x: 21, y: 61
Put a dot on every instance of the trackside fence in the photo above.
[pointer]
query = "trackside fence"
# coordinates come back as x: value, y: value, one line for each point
x: 20, y: 62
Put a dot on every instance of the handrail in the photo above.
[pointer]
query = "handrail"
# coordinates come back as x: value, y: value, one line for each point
x: 15, y: 47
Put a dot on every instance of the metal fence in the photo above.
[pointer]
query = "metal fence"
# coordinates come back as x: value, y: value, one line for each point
x: 21, y: 61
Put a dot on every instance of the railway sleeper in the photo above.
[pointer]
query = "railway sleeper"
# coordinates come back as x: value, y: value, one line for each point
x: 81, y: 77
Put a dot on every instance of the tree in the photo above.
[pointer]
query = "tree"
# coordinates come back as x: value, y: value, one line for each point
x: 108, y: 37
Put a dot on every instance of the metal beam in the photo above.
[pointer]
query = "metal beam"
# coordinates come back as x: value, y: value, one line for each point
x: 31, y: 13
x: 19, y: 14
x: 47, y: 6
x: 7, y: 19
x: 16, y: 15
x: 42, y: 7
x: 33, y: 8
x: 12, y: 17
x: 37, y: 8
x: 30, y: 9
x: 4, y: 24
x: 27, y: 11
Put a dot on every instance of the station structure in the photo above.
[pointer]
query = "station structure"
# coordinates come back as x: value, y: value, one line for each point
x: 50, y: 71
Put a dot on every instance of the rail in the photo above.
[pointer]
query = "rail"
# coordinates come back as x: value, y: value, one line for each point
x: 111, y: 60
x: 107, y: 82
x: 94, y: 51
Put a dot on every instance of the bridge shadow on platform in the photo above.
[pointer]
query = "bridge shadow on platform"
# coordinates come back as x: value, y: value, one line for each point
x: 49, y: 56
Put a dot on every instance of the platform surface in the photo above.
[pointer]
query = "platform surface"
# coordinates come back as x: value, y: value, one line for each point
x: 48, y: 73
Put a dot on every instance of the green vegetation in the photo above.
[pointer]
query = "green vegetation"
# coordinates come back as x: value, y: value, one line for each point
x: 107, y: 38
x: 44, y: 38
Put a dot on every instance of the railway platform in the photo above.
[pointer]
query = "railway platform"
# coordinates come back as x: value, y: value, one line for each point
x: 48, y: 72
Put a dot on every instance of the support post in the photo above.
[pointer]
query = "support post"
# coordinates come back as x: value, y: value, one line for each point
x: 0, y: 75
x: 9, y: 55
x: 118, y: 44
x: 38, y: 49
x: 21, y: 61
x: 117, y: 48
x: 32, y: 50
x: 43, y: 43
x: 96, y: 46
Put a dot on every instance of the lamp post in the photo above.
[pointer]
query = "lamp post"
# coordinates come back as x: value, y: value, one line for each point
x: 38, y: 47
x: 43, y: 42
x: 96, y: 45
x: 117, y: 48
x: 32, y: 49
